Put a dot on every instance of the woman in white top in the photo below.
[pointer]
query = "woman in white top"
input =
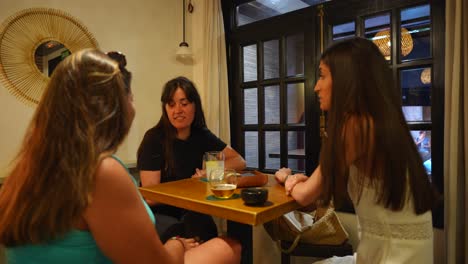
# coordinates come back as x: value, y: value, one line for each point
x: 369, y: 153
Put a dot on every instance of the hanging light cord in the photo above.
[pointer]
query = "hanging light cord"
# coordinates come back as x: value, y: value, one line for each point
x: 323, y: 129
x: 190, y: 6
x: 183, y: 24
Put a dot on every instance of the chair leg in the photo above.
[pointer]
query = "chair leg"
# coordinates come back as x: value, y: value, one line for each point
x: 285, y: 258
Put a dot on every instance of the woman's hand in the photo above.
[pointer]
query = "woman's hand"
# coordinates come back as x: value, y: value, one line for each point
x: 151, y: 202
x: 189, y: 243
x: 199, y: 173
x: 281, y: 174
x: 292, y: 180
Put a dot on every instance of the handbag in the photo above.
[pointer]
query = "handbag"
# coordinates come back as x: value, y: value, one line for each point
x: 321, y: 226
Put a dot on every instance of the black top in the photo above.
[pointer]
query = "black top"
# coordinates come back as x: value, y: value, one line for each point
x: 188, y: 154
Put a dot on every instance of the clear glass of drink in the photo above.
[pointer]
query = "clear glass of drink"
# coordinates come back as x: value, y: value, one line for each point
x: 223, y: 182
x: 213, y: 160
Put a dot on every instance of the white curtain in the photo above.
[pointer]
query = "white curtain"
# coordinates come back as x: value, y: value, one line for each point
x: 456, y: 131
x: 211, y: 66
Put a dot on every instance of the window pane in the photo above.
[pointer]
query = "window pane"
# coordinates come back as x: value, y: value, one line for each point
x: 251, y: 149
x: 295, y: 114
x: 272, y: 150
x: 262, y: 9
x: 250, y: 63
x: 377, y: 29
x: 416, y: 93
x: 250, y: 106
x: 271, y: 59
x: 272, y: 105
x: 422, y: 139
x: 295, y: 55
x: 416, y: 33
x: 344, y: 31
x: 296, y: 150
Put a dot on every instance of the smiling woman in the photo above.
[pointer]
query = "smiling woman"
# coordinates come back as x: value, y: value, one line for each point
x: 27, y: 38
x: 173, y: 150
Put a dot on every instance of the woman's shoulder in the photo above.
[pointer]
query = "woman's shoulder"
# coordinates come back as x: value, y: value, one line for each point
x: 154, y: 131
x: 202, y: 131
x: 110, y: 169
x: 153, y: 135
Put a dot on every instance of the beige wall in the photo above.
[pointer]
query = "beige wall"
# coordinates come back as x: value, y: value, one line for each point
x: 146, y: 31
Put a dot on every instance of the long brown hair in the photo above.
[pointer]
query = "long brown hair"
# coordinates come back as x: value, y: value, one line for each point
x: 366, y: 105
x: 82, y: 117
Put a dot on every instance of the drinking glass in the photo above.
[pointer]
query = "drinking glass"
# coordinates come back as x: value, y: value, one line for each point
x: 223, y: 182
x: 213, y: 160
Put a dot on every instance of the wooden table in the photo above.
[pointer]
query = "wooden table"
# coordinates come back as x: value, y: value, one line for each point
x: 2, y: 179
x: 191, y: 194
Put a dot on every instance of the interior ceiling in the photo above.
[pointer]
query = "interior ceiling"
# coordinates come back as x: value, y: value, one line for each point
x: 262, y: 9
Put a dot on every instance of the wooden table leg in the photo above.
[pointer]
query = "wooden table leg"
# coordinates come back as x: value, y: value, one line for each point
x: 243, y: 233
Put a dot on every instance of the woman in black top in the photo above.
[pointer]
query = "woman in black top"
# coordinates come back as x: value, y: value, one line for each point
x: 173, y: 150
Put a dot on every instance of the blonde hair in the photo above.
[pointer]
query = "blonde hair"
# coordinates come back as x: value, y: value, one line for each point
x: 82, y: 117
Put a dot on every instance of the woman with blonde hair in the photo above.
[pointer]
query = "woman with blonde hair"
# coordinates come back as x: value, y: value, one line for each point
x: 67, y: 198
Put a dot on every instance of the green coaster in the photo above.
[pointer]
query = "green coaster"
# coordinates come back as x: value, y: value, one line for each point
x: 204, y: 179
x: 214, y: 198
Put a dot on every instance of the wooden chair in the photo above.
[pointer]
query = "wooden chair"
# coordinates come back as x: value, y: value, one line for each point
x: 316, y: 251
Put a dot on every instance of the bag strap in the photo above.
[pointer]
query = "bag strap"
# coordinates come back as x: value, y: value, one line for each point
x: 292, y: 247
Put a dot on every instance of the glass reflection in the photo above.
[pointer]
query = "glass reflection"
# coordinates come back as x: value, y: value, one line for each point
x: 250, y: 106
x: 272, y: 105
x: 295, y: 55
x: 250, y: 63
x: 416, y: 93
x: 48, y: 55
x: 377, y: 29
x: 271, y: 59
x: 272, y: 150
x: 251, y: 148
x: 423, y: 141
x: 417, y: 21
x: 344, y: 31
x: 296, y: 150
x: 295, y: 106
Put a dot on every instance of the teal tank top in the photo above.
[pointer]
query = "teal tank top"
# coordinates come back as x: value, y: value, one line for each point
x: 76, y: 247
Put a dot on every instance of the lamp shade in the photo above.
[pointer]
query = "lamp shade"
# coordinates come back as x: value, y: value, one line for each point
x: 426, y: 76
x: 383, y: 41
x: 184, y: 51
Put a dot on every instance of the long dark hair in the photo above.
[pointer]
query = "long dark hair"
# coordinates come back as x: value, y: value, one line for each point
x: 366, y: 103
x: 82, y: 117
x: 169, y: 131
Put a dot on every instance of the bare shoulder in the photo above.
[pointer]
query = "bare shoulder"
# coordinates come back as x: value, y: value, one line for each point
x: 109, y: 167
x: 113, y: 190
x: 111, y: 175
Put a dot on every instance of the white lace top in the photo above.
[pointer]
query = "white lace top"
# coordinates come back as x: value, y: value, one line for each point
x: 388, y: 236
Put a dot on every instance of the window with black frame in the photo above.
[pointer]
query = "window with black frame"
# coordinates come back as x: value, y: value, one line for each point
x: 271, y: 81
x: 412, y: 63
x: 273, y: 102
x: 273, y: 61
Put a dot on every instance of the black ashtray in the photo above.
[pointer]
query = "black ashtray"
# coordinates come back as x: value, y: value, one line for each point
x: 254, y: 196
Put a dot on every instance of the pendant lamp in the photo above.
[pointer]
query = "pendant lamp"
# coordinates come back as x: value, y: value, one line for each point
x: 383, y: 40
x: 184, y: 51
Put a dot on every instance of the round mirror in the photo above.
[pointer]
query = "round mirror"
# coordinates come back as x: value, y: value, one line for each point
x: 48, y: 55
x: 32, y: 44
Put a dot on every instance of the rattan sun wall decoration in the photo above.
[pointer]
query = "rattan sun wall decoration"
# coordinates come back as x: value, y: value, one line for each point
x: 20, y: 36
